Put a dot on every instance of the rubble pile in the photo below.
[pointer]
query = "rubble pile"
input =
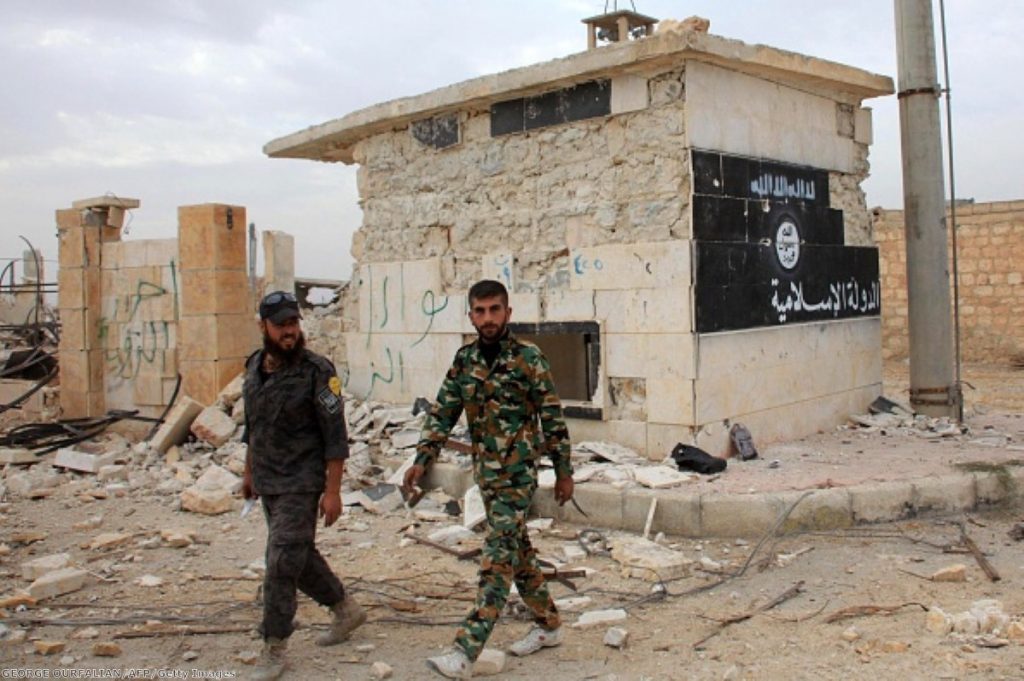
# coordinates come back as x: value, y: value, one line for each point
x: 902, y: 423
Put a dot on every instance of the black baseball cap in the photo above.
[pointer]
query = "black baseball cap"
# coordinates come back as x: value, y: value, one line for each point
x: 279, y: 307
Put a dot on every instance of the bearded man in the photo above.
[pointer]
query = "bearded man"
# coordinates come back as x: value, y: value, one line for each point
x: 297, y: 446
x: 504, y: 385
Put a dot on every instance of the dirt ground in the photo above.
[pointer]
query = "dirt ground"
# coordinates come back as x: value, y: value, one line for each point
x: 415, y: 594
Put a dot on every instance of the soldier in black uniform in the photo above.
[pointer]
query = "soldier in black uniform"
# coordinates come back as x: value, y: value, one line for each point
x: 297, y: 446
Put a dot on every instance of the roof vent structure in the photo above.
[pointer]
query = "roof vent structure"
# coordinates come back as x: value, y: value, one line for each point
x: 618, y: 25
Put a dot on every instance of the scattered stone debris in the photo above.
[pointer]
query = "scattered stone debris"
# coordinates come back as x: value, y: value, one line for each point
x: 648, y: 560
x: 106, y: 649
x: 616, y: 637
x: 952, y: 573
x: 381, y: 670
x: 48, y: 647
x: 595, y: 618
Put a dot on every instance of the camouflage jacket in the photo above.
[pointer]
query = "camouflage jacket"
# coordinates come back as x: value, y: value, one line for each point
x: 503, y: 405
x: 294, y: 422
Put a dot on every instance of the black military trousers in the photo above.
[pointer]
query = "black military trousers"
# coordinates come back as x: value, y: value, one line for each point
x: 293, y: 562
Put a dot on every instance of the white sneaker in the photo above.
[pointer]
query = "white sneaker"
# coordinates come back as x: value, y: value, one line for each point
x: 452, y: 665
x: 538, y: 638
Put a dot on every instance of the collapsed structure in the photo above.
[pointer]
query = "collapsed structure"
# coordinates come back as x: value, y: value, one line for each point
x: 680, y: 219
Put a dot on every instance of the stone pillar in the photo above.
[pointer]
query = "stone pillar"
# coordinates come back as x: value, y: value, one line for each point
x: 278, y: 262
x: 217, y: 330
x: 80, y: 233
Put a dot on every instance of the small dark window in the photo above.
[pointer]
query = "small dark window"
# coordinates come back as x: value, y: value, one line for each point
x: 579, y: 102
x: 439, y: 132
x: 574, y: 351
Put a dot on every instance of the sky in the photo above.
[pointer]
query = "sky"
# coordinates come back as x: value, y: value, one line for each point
x: 171, y: 101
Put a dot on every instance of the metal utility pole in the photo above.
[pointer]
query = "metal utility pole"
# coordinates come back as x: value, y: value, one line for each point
x: 932, y: 389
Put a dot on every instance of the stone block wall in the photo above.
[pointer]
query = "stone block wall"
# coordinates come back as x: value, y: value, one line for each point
x: 137, y: 313
x: 137, y: 322
x: 591, y: 221
x: 991, y: 263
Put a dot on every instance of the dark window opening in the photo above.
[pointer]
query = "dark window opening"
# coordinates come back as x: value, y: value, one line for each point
x: 573, y: 350
x: 579, y: 102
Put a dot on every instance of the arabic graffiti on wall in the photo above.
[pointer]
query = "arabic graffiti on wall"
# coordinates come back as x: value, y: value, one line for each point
x: 138, y: 329
x: 399, y: 311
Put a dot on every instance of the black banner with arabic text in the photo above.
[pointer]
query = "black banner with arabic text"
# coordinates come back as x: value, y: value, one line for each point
x: 770, y: 250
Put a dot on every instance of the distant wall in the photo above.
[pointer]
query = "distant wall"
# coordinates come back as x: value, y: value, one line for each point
x: 991, y: 264
x: 135, y: 314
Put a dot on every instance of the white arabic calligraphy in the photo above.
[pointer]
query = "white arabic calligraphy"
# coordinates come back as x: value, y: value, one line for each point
x: 780, y: 187
x: 842, y: 296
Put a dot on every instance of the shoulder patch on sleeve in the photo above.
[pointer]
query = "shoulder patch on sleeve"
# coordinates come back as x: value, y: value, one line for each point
x: 329, y: 399
x: 335, y: 385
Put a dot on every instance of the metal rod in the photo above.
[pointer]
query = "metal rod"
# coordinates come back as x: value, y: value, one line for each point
x: 953, y: 227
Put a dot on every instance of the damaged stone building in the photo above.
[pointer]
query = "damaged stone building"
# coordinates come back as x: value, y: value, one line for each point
x: 680, y: 219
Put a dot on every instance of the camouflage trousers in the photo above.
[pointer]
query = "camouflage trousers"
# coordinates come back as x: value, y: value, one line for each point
x: 293, y: 563
x: 507, y: 557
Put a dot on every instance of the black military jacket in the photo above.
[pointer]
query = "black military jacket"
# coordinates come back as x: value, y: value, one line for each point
x: 294, y: 423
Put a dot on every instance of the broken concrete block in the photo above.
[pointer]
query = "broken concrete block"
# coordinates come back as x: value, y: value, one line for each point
x: 489, y: 663
x: 405, y: 438
x: 36, y: 568
x: 598, y: 617
x: 473, y: 513
x: 850, y: 634
x: 112, y: 472
x: 57, y: 583
x: 77, y: 460
x: 451, y: 535
x: 660, y: 477
x: 213, y: 426
x: 540, y: 524
x: 149, y: 581
x: 48, y: 647
x: 938, y: 622
x: 572, y: 603
x: 106, y: 649
x: 573, y: 553
x: 109, y: 540
x: 17, y: 455
x: 232, y: 392
x: 206, y: 501
x: 177, y: 539
x: 648, y: 560
x: 379, y: 499
x: 216, y: 477
x: 616, y: 637
x: 965, y: 623
x: 953, y: 573
x: 607, y: 451
x: 380, y: 670
x: 88, y: 632
x: 176, y: 426
x: 990, y: 615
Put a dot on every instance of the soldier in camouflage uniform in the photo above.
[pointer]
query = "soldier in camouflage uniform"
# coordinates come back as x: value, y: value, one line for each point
x: 504, y: 385
x: 297, y: 446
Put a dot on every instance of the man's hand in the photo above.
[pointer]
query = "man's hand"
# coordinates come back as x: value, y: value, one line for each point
x: 563, y: 489
x: 247, y: 491
x: 412, y: 479
x: 330, y: 507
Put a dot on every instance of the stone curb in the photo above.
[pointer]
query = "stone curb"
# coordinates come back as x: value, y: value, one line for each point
x: 729, y: 515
